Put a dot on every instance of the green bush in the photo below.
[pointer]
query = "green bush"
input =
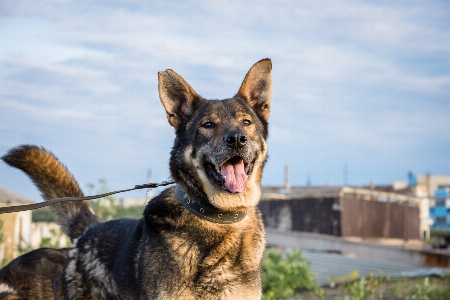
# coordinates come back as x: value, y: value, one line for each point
x: 362, y: 289
x: 134, y: 212
x: 379, y: 288
x: 422, y: 290
x: 441, y: 293
x: 3, y: 262
x: 286, y: 277
x: 42, y: 215
x: 2, y: 236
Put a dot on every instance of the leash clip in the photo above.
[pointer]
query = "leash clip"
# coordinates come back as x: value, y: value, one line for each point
x: 153, y: 185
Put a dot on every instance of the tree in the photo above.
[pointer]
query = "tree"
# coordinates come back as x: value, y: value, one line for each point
x: 105, y: 207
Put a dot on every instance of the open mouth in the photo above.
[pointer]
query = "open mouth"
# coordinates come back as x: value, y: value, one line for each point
x: 230, y: 175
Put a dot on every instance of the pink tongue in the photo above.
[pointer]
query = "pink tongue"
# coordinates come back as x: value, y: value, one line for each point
x: 236, y: 179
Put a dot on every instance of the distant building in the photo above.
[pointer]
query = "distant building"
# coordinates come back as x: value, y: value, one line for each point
x: 431, y: 183
x: 131, y: 202
x: 50, y: 230
x: 16, y: 226
x: 435, y: 188
x: 346, y: 211
x: 141, y: 201
x: 440, y: 213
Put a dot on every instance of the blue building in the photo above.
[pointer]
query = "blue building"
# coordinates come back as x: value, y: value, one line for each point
x: 440, y: 213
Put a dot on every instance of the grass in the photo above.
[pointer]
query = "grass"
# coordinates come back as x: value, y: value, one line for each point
x: 378, y: 288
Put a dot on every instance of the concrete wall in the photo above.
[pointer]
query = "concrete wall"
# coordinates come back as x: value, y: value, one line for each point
x: 16, y: 229
x: 40, y: 230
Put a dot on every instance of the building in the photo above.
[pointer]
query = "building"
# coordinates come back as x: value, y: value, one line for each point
x: 140, y: 201
x: 437, y: 189
x: 346, y: 211
x: 433, y: 182
x: 440, y: 212
x: 16, y: 226
x: 39, y: 231
x: 132, y: 202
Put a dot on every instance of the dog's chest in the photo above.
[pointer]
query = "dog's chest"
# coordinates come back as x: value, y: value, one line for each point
x: 222, y: 282
x: 223, y: 272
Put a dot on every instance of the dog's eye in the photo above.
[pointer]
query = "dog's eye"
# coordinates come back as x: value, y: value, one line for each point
x: 208, y: 125
x: 246, y: 122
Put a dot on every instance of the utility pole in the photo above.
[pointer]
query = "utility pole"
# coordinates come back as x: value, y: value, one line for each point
x: 287, y: 183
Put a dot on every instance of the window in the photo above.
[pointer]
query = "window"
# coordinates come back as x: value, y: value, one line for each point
x: 441, y: 220
x: 440, y: 201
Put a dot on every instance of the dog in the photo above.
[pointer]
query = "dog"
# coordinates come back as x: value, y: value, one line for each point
x: 30, y: 276
x: 200, y: 239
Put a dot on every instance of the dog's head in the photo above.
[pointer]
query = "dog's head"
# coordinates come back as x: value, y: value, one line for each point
x: 220, y: 146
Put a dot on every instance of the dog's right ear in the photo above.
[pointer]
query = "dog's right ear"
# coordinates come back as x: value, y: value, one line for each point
x: 177, y: 97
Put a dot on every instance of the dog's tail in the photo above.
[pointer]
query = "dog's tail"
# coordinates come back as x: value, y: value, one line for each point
x: 54, y: 181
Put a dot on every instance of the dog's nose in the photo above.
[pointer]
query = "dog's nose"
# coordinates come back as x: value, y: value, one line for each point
x: 235, y: 139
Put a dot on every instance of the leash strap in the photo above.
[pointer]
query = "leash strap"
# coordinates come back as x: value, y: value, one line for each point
x: 209, y: 212
x: 17, y: 208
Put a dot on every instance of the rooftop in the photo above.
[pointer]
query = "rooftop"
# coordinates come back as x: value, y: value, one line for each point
x: 8, y: 197
x: 365, y: 193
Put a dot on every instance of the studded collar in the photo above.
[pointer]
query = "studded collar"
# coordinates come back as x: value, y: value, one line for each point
x: 209, y: 212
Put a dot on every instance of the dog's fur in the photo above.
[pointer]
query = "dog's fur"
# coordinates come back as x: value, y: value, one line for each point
x: 30, y: 276
x: 171, y: 253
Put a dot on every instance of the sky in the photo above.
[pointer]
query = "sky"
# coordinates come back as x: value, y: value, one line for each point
x: 360, y: 88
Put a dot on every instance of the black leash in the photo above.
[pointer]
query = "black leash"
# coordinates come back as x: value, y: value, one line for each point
x: 17, y: 208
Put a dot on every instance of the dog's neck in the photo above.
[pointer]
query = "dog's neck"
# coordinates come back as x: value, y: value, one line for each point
x: 207, y: 211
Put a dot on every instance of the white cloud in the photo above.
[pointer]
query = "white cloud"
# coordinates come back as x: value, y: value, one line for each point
x: 351, y: 79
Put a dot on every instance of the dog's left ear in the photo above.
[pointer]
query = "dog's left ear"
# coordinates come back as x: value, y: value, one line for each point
x: 177, y: 97
x: 257, y: 87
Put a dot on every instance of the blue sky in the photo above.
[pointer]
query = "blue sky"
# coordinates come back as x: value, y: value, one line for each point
x: 361, y: 83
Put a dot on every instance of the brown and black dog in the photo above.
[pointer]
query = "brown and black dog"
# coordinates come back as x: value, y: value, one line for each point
x: 201, y: 239
x: 30, y: 276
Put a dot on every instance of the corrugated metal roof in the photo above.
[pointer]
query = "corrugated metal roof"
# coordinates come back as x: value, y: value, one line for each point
x: 8, y: 197
x: 339, y: 268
